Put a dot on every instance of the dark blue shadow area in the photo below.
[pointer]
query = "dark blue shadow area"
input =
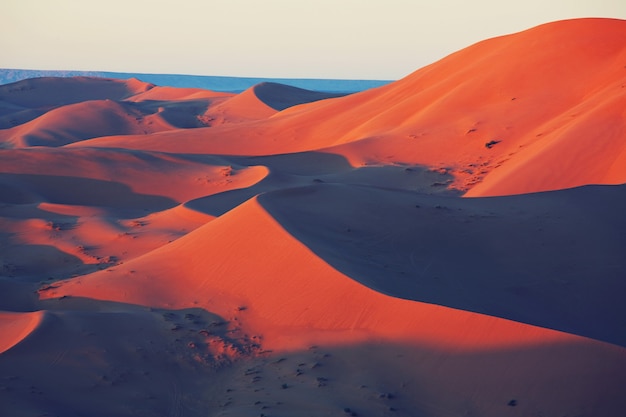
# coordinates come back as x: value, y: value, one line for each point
x: 30, y: 188
x: 281, y: 96
x: 152, y: 368
x: 98, y: 358
x: 289, y: 171
x: 552, y: 259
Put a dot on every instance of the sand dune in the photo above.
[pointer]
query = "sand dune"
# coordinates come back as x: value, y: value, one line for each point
x: 459, y: 252
x: 172, y: 94
x: 279, y: 251
x: 281, y: 97
x: 154, y: 110
x: 261, y: 102
x: 14, y: 327
x: 300, y: 278
x: 122, y: 176
x: 494, y: 104
x: 53, y: 92
x: 223, y: 267
x: 76, y: 122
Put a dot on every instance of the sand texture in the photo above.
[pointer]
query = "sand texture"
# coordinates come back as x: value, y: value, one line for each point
x: 449, y: 244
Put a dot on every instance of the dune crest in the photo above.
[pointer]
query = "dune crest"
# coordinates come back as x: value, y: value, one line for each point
x: 296, y: 291
x: 14, y: 327
x: 51, y: 92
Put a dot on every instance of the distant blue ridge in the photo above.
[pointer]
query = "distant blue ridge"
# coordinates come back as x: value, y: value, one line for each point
x: 215, y: 83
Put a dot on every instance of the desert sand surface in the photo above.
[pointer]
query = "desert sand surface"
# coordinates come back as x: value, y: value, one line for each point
x: 449, y: 244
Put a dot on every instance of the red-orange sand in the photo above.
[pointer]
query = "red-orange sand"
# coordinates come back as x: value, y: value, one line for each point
x: 283, y: 252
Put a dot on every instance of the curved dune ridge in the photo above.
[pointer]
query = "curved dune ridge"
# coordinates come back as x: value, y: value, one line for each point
x: 52, y: 92
x: 247, y: 269
x: 14, y: 327
x: 261, y: 102
x: 118, y: 177
x: 281, y: 251
x: 80, y: 121
x: 281, y: 97
x: 462, y: 252
x: 244, y: 239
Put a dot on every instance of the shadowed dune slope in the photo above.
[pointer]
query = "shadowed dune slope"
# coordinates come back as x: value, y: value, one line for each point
x: 553, y: 260
x: 80, y: 121
x: 54, y: 92
x: 143, y: 361
x: 280, y: 96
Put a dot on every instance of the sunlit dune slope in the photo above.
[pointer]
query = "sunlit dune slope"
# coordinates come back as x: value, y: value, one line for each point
x: 544, y: 106
x: 118, y: 178
x: 82, y: 121
x: 243, y: 107
x: 168, y: 94
x: 14, y: 327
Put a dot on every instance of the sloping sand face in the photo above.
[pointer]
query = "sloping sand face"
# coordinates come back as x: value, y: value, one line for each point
x: 541, y: 110
x: 14, y: 327
x: 284, y: 252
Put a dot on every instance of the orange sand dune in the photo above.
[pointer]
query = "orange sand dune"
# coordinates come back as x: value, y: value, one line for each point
x: 86, y: 120
x: 85, y: 108
x: 260, y: 102
x: 118, y: 178
x: 244, y: 267
x: 281, y: 97
x: 515, y: 93
x: 54, y: 92
x: 588, y: 148
x: 140, y: 114
x: 284, y: 252
x: 182, y: 107
x: 14, y: 327
x: 243, y: 107
x: 167, y: 94
x: 307, y: 296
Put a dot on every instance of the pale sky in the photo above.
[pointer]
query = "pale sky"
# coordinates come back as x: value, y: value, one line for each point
x: 353, y: 39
